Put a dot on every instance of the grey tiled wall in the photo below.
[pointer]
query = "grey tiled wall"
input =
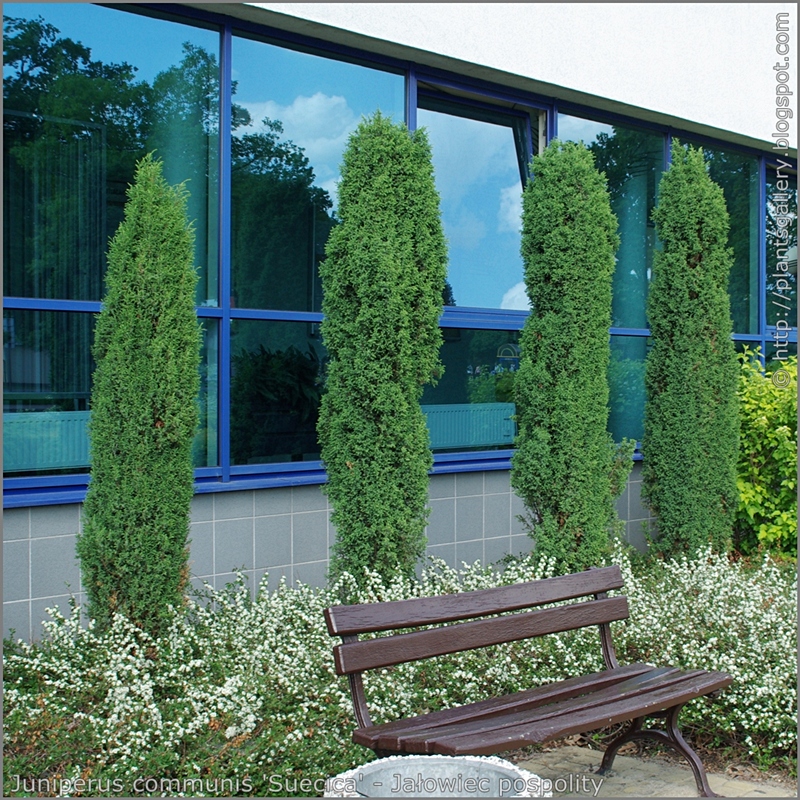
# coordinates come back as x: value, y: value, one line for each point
x: 631, y: 509
x: 282, y: 532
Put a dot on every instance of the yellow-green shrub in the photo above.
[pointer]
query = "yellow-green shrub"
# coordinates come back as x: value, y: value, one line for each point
x: 767, y: 467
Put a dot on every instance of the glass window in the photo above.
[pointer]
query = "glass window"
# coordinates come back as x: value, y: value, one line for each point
x: 47, y: 375
x: 472, y: 405
x: 47, y: 382
x: 781, y: 215
x: 738, y: 175
x: 626, y: 387
x: 276, y: 388
x: 205, y: 452
x: 633, y: 161
x: 87, y: 92
x: 292, y: 115
x: 478, y: 160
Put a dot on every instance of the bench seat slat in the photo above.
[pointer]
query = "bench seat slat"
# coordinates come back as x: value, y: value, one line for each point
x: 424, y: 739
x: 419, y: 611
x: 611, y: 713
x: 402, y: 647
x: 530, y: 698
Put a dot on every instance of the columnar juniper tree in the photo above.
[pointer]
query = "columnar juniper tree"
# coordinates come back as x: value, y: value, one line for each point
x: 133, y: 548
x: 383, y: 280
x: 691, y: 426
x: 566, y: 468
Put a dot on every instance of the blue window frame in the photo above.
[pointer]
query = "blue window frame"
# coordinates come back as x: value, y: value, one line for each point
x: 529, y: 121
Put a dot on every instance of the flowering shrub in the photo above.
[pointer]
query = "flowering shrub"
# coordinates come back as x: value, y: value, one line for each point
x: 240, y: 696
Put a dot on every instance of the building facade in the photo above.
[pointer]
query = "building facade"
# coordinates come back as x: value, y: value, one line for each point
x: 252, y: 105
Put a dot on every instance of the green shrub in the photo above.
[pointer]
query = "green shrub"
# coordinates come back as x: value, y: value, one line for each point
x: 133, y: 548
x: 238, y: 690
x: 767, y: 472
x: 566, y: 468
x: 691, y: 426
x: 382, y: 280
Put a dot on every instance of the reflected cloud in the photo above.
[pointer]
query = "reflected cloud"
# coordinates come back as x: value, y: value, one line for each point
x: 509, y: 215
x: 516, y: 299
x: 467, y: 152
x: 320, y: 124
x: 468, y: 230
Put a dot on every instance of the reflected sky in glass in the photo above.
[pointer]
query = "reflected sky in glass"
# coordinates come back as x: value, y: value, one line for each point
x: 575, y: 129
x: 477, y: 175
x: 318, y: 101
x: 115, y: 36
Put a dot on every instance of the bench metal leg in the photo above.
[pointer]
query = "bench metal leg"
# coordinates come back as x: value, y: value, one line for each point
x: 672, y: 738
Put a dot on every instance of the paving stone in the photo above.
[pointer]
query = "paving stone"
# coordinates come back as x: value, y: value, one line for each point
x: 635, y: 777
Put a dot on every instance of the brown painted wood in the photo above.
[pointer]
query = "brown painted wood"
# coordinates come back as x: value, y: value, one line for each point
x: 576, y: 705
x: 580, y: 721
x: 372, y: 617
x: 423, y: 739
x: 399, y: 648
x: 530, y: 698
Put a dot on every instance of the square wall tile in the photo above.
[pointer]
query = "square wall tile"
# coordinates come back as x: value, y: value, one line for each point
x: 447, y: 552
x: 469, y: 518
x: 442, y: 521
x: 63, y: 520
x: 17, y: 617
x: 274, y: 575
x: 39, y: 614
x: 469, y: 552
x: 54, y: 567
x: 233, y: 505
x: 521, y: 545
x: 308, y: 498
x: 442, y: 486
x: 233, y: 545
x: 497, y: 514
x: 469, y: 484
x: 201, y: 548
x: 222, y: 579
x: 312, y: 574
x: 273, y: 501
x: 273, y: 541
x: 621, y: 503
x: 16, y: 523
x: 497, y: 482
x: 202, y: 508
x: 309, y: 536
x: 637, y: 508
x: 16, y: 571
x: 496, y: 549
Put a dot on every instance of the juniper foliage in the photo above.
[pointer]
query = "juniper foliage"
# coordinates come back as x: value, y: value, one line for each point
x: 691, y: 424
x: 567, y: 469
x: 383, y: 279
x: 133, y: 548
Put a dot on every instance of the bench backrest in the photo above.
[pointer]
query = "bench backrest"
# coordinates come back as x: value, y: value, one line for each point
x: 484, y: 628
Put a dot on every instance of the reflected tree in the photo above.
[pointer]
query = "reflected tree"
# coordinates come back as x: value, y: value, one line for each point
x: 737, y: 175
x: 280, y: 220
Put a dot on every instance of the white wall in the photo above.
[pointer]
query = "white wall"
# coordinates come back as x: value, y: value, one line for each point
x: 707, y: 63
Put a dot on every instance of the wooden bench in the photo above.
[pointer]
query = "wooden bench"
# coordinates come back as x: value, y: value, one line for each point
x: 576, y: 705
